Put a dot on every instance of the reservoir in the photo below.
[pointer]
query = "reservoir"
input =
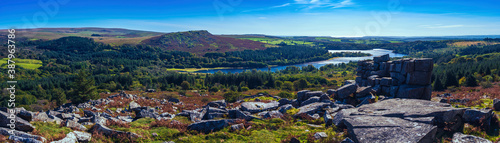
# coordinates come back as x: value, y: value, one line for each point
x: 317, y: 64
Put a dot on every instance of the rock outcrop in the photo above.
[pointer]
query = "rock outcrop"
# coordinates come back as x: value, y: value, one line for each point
x: 398, y: 120
x: 405, y: 78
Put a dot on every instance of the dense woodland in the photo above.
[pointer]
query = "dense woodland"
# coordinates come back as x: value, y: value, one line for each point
x: 75, y: 69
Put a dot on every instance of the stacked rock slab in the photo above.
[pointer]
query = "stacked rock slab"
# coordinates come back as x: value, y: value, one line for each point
x: 404, y: 78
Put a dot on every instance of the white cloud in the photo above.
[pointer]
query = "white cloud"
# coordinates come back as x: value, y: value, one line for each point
x: 325, y: 3
x: 283, y: 5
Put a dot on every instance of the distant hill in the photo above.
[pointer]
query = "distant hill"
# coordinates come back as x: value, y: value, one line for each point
x: 201, y: 42
x: 113, y: 36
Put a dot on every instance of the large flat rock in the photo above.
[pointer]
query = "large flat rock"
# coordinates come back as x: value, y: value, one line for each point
x: 397, y: 120
x: 256, y: 107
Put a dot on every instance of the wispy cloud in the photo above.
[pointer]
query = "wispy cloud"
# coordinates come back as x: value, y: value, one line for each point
x: 283, y: 5
x: 441, y: 26
x: 310, y: 4
x: 325, y: 3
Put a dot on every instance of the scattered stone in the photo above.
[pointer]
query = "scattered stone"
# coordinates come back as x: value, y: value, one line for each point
x: 133, y: 106
x: 285, y: 108
x: 26, y: 115
x: 347, y: 140
x: 284, y: 101
x: 207, y: 126
x: 20, y: 124
x: 310, y: 100
x: 331, y: 91
x: 19, y: 134
x: 175, y: 100
x: 74, y: 125
x: 238, y: 114
x: 15, y: 138
x: 154, y: 134
x: 272, y: 114
x: 255, y: 107
x: 313, y: 108
x: 151, y: 113
x: 82, y: 136
x: 346, y: 90
x: 70, y: 138
x: 496, y: 104
x: 462, y: 138
x: 363, y: 91
x: 99, y: 128
x: 320, y: 135
x: 237, y: 127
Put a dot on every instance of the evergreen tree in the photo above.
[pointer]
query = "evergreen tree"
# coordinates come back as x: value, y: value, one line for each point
x: 438, y: 86
x: 488, y: 71
x: 59, y: 96
x: 470, y: 81
x: 450, y: 80
x: 83, y: 88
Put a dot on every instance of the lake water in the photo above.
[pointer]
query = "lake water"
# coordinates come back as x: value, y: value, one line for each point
x: 374, y: 52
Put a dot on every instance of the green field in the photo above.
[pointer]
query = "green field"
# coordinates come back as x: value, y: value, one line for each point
x: 276, y: 41
x: 25, y: 63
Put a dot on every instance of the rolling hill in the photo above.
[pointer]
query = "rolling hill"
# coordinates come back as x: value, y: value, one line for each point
x: 201, y: 42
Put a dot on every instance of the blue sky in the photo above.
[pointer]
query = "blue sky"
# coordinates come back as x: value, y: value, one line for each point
x: 271, y: 17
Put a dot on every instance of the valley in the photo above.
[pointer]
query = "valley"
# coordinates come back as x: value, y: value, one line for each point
x: 119, y: 85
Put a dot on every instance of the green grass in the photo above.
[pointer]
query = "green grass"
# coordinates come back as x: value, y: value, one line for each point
x: 25, y: 63
x: 51, y: 131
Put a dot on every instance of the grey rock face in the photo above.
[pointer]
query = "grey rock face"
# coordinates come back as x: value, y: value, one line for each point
x: 462, y: 138
x: 208, y: 126
x: 15, y: 138
x: 74, y: 125
x: 272, y: 114
x: 23, y: 135
x: 479, y: 117
x: 301, y: 95
x: 310, y: 100
x: 397, y: 120
x: 26, y: 115
x: 237, y: 127
x: 383, y: 58
x: 346, y: 90
x: 20, y: 124
x: 424, y: 64
x: 70, y: 138
x: 284, y: 101
x: 237, y: 114
x: 255, y: 107
x: 83, y: 136
x: 414, y: 92
x: 113, y: 133
x: 151, y: 113
x: 320, y: 135
x: 133, y: 105
x: 363, y: 91
x: 217, y: 103
x: 313, y: 108
x: 496, y: 104
x: 285, y: 108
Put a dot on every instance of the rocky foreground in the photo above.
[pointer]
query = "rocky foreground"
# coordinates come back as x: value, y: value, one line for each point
x: 404, y: 114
